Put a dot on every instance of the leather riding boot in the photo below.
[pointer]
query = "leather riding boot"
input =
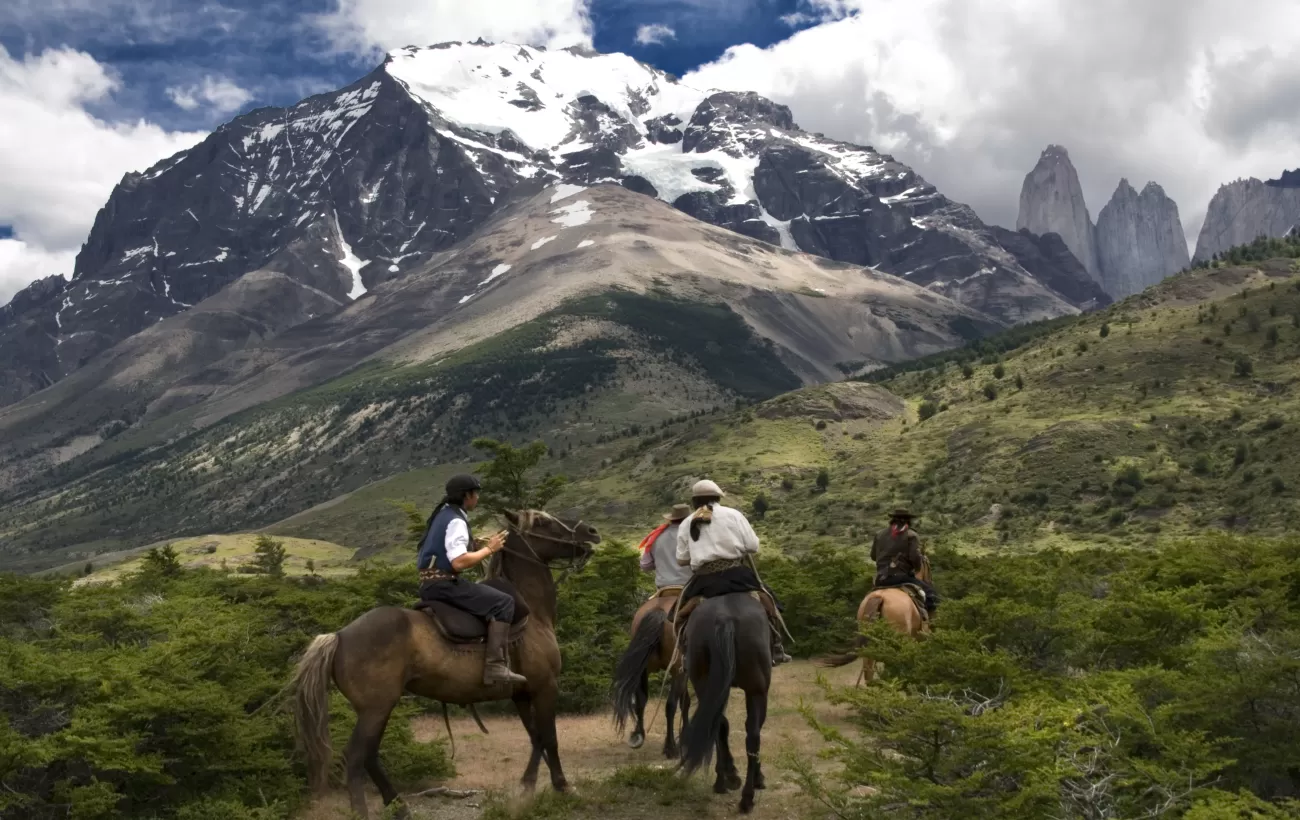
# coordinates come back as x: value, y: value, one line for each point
x: 495, y: 669
x: 778, y: 648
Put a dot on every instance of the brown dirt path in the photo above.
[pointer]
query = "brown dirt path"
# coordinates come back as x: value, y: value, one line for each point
x: 590, y: 752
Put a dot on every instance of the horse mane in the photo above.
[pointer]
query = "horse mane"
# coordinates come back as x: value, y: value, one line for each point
x: 527, y: 521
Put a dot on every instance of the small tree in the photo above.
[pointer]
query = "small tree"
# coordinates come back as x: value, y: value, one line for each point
x: 1020, y: 382
x: 967, y: 371
x: 823, y: 479
x: 1105, y: 330
x: 311, y: 566
x: 760, y: 506
x: 990, y: 391
x: 507, y: 484
x: 270, y: 556
x: 1244, y: 366
x: 999, y: 371
x: 1272, y: 336
x: 162, y: 561
x: 927, y: 410
x: 88, y: 568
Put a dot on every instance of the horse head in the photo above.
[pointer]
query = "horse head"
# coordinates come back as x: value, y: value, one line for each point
x: 550, y: 539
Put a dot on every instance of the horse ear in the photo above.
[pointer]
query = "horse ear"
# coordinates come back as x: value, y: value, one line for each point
x: 511, y: 516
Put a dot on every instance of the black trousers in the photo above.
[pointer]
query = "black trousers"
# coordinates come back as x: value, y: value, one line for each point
x: 481, y: 601
x: 900, y: 578
x: 736, y: 579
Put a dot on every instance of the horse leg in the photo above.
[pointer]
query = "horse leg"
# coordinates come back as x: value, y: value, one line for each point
x: 755, y: 717
x: 377, y: 774
x: 544, y: 722
x: 670, y: 714
x: 524, y: 706
x: 728, y: 778
x: 364, y: 745
x: 638, y: 705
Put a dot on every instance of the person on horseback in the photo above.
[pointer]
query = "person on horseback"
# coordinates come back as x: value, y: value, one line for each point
x: 445, y: 553
x: 897, y: 553
x: 659, y: 552
x: 714, y: 541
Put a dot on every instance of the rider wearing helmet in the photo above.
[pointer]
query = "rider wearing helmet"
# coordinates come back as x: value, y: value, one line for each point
x: 445, y: 552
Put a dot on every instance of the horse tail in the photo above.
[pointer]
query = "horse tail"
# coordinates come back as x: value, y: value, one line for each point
x: 634, y: 663
x: 702, y: 732
x: 871, y: 609
x: 311, y: 706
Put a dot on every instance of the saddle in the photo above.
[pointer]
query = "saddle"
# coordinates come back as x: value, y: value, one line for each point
x: 460, y: 627
x: 668, y: 592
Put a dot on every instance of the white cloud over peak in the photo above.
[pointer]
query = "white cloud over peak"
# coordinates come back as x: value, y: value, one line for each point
x: 219, y: 94
x: 368, y: 26
x: 1189, y: 93
x: 654, y: 34
x: 58, y: 162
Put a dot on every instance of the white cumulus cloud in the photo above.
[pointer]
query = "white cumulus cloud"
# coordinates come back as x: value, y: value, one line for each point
x: 217, y: 93
x: 654, y: 34
x: 1188, y: 93
x: 367, y: 26
x: 58, y: 162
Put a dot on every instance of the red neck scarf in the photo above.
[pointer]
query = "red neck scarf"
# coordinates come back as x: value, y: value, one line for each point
x: 649, y: 540
x: 897, y: 529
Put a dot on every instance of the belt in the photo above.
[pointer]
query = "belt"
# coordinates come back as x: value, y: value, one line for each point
x: 432, y: 574
x: 710, y: 567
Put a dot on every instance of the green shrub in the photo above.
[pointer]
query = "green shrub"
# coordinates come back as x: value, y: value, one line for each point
x: 927, y: 410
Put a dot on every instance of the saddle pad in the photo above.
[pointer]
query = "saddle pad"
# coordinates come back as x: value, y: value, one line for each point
x: 668, y: 592
x: 918, y: 597
x: 458, y: 626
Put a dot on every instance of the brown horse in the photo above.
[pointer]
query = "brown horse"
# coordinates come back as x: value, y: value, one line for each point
x: 898, y: 609
x: 650, y: 650
x: 391, y: 650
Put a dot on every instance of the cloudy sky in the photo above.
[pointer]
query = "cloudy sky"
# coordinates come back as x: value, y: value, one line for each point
x: 1190, y: 93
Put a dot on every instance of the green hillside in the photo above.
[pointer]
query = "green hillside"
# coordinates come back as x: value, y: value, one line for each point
x: 592, y: 370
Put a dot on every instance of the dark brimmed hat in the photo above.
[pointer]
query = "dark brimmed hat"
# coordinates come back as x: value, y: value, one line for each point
x: 458, y: 485
x: 679, y: 512
x: 901, y: 512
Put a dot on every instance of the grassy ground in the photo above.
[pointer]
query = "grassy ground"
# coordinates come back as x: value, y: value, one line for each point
x: 611, y: 779
x: 233, y: 552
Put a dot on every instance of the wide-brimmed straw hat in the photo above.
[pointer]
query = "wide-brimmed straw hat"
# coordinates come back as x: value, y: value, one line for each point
x: 679, y: 512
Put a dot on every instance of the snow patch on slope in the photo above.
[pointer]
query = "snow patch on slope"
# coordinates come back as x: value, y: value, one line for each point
x: 352, y: 262
x: 586, y: 243
x: 497, y: 271
x: 571, y: 216
x: 539, y: 243
x: 565, y: 190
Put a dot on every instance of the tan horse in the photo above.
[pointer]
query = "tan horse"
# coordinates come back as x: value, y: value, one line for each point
x: 390, y: 651
x: 651, y: 650
x: 898, y: 609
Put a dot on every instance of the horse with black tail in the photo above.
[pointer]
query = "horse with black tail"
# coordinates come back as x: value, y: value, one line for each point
x: 390, y: 651
x: 727, y: 644
x: 651, y: 650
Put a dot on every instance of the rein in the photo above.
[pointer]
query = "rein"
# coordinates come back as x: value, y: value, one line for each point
x: 576, y: 563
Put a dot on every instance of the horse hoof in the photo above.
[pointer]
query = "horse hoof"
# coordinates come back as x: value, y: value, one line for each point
x: 636, y: 740
x: 760, y: 782
x: 720, y: 787
x: 746, y: 804
x: 671, y: 753
x: 734, y: 782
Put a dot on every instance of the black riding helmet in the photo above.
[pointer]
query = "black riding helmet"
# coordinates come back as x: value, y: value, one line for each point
x: 458, y: 485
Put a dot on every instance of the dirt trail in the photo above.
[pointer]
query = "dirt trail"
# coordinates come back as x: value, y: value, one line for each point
x: 590, y: 751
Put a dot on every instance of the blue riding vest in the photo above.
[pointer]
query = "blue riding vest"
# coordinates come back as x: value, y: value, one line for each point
x: 433, y: 549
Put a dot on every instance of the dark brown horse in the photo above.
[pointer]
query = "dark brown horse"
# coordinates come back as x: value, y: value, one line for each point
x: 727, y: 644
x: 650, y: 650
x: 392, y: 650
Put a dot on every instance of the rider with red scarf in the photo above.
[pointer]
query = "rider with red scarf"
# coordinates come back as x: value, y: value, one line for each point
x: 897, y: 553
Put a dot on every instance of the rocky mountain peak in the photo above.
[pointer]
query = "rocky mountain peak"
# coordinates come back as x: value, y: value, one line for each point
x: 1247, y: 208
x: 1051, y: 201
x: 416, y: 156
x: 1140, y: 239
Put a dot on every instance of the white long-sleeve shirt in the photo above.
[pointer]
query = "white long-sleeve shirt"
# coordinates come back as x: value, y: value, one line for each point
x: 728, y: 536
x: 456, y: 541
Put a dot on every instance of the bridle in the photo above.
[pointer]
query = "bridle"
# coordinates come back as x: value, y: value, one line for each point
x: 576, y: 562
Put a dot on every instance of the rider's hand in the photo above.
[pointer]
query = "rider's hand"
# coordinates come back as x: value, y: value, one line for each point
x: 497, y: 542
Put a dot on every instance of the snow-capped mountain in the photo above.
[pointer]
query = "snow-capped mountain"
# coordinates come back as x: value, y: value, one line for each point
x: 414, y: 157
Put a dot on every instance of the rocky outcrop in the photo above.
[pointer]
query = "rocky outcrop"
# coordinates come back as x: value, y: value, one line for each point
x: 1140, y: 239
x: 1051, y: 262
x: 28, y: 333
x: 1051, y: 201
x: 1247, y: 208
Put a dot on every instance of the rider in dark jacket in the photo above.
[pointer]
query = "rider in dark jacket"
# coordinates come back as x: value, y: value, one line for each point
x: 897, y: 553
x: 445, y: 552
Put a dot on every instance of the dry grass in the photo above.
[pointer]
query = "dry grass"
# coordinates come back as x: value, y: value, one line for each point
x: 591, y: 752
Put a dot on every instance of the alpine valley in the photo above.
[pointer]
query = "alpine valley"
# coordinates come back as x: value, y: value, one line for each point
x: 473, y: 238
